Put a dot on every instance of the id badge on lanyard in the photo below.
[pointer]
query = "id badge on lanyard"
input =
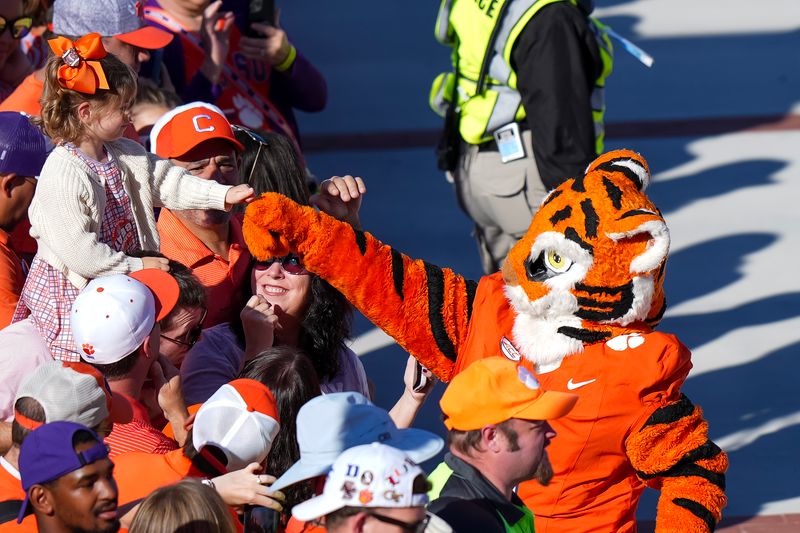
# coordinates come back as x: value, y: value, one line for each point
x: 509, y: 142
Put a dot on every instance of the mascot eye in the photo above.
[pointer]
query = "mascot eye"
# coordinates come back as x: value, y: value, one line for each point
x: 557, y: 262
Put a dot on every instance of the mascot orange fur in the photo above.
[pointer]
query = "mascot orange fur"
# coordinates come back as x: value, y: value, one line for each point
x: 576, y: 301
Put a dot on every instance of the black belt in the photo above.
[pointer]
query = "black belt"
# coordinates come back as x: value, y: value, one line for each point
x: 491, y: 145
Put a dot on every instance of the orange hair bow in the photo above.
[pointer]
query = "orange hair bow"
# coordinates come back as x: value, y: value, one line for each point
x: 80, y: 71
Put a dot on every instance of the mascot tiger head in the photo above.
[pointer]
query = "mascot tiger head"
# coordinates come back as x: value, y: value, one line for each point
x: 591, y: 265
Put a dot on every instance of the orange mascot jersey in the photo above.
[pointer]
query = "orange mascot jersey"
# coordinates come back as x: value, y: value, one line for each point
x: 576, y: 302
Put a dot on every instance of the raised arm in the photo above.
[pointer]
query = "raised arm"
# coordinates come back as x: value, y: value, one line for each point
x: 424, y: 308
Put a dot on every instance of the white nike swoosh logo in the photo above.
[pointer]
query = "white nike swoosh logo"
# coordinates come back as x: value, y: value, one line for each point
x: 571, y: 385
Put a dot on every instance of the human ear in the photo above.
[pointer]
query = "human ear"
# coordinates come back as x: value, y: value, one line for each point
x: 358, y: 522
x: 7, y: 184
x: 40, y: 499
x: 84, y: 111
x: 491, y: 438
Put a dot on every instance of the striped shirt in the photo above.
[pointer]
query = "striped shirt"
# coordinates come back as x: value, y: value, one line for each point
x: 139, y: 435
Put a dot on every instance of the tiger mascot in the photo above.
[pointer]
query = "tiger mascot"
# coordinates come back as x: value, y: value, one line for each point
x: 576, y: 301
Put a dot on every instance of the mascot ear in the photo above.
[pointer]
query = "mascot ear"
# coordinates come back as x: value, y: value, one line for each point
x: 627, y: 162
x: 655, y: 234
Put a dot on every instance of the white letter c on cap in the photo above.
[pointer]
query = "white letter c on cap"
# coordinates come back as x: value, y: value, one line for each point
x: 197, y: 127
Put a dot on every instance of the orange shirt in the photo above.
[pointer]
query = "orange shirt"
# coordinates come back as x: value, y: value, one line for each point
x: 11, y: 280
x: 296, y: 526
x: 227, y: 282
x: 28, y: 525
x: 25, y: 98
x: 138, y: 474
x: 620, y: 383
x: 10, y: 484
x: 11, y: 489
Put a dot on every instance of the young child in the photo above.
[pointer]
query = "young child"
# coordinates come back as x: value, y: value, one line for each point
x: 96, y: 193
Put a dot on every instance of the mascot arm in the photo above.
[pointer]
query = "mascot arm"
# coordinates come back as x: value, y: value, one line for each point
x: 671, y: 452
x: 424, y: 308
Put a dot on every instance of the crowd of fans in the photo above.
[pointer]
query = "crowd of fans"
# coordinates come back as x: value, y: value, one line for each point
x: 153, y: 375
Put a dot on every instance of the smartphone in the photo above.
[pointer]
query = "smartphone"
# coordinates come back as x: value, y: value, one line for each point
x: 420, y: 379
x: 259, y: 519
x: 262, y: 11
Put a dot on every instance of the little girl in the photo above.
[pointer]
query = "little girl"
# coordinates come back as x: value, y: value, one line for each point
x: 95, y: 196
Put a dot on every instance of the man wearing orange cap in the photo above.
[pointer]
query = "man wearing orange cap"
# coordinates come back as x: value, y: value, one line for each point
x: 199, y: 138
x: 496, y: 414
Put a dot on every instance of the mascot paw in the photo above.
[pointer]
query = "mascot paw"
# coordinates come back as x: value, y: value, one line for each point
x: 265, y: 223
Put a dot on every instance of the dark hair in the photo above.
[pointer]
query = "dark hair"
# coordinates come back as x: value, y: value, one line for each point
x: 325, y: 327
x: 191, y: 293
x: 272, y: 164
x: 118, y: 369
x: 29, y: 408
x: 290, y: 375
x: 81, y: 437
x: 59, y: 116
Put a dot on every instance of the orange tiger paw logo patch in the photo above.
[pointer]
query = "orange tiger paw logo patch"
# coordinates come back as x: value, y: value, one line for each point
x: 88, y: 349
x: 365, y: 496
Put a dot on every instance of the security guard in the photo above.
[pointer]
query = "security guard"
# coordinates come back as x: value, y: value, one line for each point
x: 527, y: 90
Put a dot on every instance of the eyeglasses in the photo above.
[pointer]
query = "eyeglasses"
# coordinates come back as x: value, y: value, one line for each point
x: 254, y: 137
x: 18, y: 27
x: 289, y: 263
x: 413, y: 527
x: 193, y: 335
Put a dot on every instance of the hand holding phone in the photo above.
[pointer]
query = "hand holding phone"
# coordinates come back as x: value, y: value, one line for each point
x: 261, y: 11
x: 259, y: 519
x: 420, y: 379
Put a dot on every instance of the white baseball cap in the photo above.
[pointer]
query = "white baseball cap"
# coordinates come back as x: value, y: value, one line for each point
x: 330, y: 424
x: 241, y: 420
x: 371, y: 475
x: 113, y: 315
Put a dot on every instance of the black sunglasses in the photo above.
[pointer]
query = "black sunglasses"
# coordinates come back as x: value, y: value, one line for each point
x: 289, y: 263
x: 254, y: 137
x: 18, y: 27
x: 413, y: 527
x: 193, y: 335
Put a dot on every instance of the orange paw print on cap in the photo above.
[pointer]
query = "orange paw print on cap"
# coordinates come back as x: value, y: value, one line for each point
x: 88, y: 349
x: 365, y: 496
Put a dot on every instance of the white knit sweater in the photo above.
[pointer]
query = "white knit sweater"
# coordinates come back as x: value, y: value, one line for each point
x: 67, y: 209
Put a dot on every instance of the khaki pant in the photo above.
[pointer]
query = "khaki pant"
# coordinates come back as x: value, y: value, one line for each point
x: 501, y: 198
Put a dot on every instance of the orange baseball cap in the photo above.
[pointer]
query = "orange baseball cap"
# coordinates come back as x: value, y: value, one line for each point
x: 186, y: 126
x: 495, y: 389
x: 164, y: 287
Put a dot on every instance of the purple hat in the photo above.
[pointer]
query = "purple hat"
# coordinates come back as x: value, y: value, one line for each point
x: 47, y: 453
x: 23, y: 147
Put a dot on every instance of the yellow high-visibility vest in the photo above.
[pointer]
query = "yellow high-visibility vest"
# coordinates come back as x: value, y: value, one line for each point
x: 500, y: 102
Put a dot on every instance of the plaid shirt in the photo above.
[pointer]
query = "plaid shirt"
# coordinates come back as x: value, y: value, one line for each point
x: 47, y: 292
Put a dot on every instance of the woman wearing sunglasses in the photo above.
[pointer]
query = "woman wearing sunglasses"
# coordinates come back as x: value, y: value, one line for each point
x: 14, y: 65
x: 289, y: 305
